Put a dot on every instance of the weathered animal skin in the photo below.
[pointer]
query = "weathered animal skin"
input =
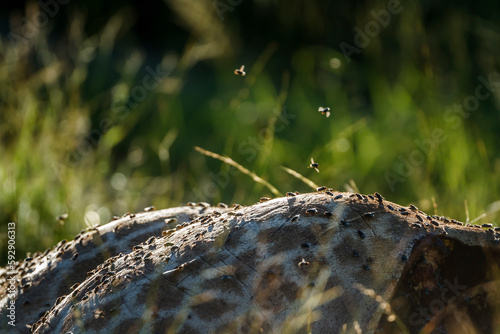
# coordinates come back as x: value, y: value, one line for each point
x: 40, y: 280
x: 319, y: 262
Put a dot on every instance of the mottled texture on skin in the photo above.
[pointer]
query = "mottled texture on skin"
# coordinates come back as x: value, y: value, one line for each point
x: 255, y: 269
x: 51, y: 274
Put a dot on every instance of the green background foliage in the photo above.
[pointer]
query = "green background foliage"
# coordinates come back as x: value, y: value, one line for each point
x: 87, y: 129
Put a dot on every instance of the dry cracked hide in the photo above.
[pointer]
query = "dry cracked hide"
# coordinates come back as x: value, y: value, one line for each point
x: 324, y: 262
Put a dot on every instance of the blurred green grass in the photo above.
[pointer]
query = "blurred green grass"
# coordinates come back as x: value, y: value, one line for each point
x: 68, y: 102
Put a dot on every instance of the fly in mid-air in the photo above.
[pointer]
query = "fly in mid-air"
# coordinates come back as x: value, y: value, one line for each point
x: 240, y: 71
x: 324, y: 111
x: 314, y: 165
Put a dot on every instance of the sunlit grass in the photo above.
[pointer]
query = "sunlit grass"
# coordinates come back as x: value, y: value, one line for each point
x: 53, y: 104
x: 300, y: 177
x: 242, y: 169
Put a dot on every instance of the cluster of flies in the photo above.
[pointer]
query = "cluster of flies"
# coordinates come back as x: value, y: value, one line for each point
x: 323, y: 110
x: 326, y: 111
